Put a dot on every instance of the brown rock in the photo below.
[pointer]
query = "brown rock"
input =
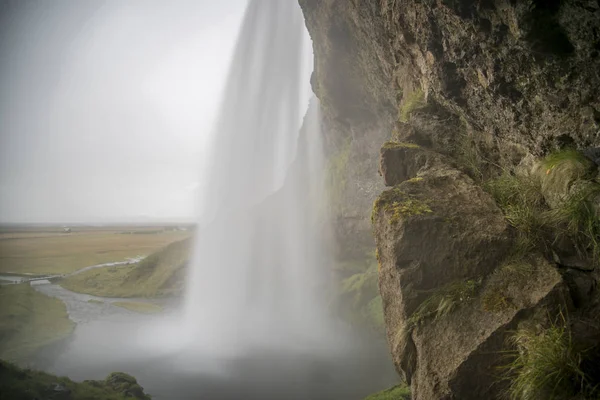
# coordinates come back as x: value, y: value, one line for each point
x: 439, y: 230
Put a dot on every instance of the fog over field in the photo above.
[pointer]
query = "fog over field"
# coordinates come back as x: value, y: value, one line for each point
x: 106, y: 106
x: 165, y: 209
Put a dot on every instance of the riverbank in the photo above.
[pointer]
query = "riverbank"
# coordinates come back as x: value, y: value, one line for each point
x: 30, y: 320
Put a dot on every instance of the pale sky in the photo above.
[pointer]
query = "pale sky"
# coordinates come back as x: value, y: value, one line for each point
x: 106, y: 106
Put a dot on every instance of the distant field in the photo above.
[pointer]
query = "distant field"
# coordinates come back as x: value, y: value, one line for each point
x: 160, y: 274
x: 50, y: 251
x: 139, y: 307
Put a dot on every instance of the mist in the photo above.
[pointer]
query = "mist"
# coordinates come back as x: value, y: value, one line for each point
x: 106, y: 106
x: 121, y: 113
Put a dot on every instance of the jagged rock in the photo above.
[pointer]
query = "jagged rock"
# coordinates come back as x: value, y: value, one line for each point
x: 593, y: 154
x: 401, y: 161
x: 437, y: 230
x: 497, y: 74
x: 126, y: 385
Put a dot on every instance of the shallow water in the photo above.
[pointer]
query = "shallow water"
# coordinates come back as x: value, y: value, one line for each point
x: 118, y: 342
x: 109, y: 338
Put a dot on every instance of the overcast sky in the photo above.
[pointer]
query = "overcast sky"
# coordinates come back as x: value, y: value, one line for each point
x: 106, y: 106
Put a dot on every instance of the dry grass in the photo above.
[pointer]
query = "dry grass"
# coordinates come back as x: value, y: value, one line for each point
x: 139, y: 307
x: 546, y: 366
x: 38, y: 252
x: 160, y: 274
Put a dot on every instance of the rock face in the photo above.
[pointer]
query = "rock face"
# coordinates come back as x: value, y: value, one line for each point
x: 459, y: 91
x: 440, y: 236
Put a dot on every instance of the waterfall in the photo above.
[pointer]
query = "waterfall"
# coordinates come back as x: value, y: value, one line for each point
x: 257, y: 274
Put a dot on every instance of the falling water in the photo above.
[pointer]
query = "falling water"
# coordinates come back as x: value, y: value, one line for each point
x: 257, y: 272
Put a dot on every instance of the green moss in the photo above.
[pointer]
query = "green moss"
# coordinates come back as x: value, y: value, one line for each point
x: 399, y: 204
x: 546, y: 366
x: 25, y: 384
x: 410, y: 103
x: 400, y: 392
x: 400, y: 145
x: 94, y: 301
x: 405, y: 208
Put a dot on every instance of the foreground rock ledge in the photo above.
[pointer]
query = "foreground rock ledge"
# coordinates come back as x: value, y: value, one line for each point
x: 439, y: 229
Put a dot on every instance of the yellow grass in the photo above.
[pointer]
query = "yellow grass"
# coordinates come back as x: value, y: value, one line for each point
x: 139, y: 307
x: 29, y: 320
x: 160, y: 274
x: 58, y: 253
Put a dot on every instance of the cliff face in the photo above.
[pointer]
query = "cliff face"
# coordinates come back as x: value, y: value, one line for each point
x: 490, y: 114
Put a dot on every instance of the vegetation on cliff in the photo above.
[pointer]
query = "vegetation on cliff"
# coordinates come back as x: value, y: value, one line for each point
x: 547, y: 365
x: 497, y: 96
x: 26, y: 384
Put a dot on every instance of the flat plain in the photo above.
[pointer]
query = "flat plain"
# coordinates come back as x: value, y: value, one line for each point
x: 44, y: 250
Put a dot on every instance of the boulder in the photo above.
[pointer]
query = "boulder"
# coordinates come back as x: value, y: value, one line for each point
x: 441, y: 238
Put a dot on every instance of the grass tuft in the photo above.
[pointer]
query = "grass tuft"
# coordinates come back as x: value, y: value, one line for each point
x: 400, y: 392
x: 443, y: 301
x: 546, y: 366
x: 522, y: 202
x: 567, y: 156
x: 579, y: 215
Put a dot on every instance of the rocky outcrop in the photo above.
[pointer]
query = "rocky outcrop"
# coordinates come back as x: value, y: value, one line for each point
x: 443, y: 243
x: 462, y: 92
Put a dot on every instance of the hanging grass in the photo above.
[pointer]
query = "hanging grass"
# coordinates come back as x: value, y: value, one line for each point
x: 546, y: 366
x: 579, y: 218
x: 521, y: 200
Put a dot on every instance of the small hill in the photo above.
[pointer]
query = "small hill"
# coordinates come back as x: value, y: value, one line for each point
x: 158, y: 275
x: 28, y: 321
